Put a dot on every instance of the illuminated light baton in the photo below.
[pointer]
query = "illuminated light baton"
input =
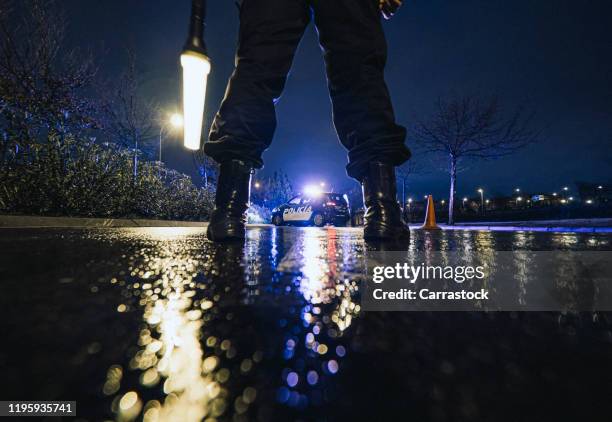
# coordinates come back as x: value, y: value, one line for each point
x: 196, y: 67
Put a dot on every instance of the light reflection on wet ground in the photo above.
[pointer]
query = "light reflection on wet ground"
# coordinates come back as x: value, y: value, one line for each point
x: 160, y: 324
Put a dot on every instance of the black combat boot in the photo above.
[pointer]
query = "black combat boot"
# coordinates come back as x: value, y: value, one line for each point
x: 229, y: 217
x: 383, y: 216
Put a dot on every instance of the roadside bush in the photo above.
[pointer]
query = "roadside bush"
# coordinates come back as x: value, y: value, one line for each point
x: 82, y: 178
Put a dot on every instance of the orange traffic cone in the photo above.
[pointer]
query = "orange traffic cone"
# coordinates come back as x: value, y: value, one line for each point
x: 430, y: 216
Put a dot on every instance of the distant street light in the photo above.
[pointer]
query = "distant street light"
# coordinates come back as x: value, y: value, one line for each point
x: 565, y: 188
x: 589, y: 201
x: 519, y: 199
x: 196, y: 67
x: 481, y: 191
x: 257, y: 185
x: 555, y: 193
x: 517, y: 190
x: 599, y: 187
x: 175, y: 121
x: 409, y: 209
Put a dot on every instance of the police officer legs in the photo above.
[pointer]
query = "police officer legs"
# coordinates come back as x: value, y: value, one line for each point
x: 354, y: 47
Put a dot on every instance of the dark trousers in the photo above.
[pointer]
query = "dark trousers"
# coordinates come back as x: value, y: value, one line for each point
x: 355, y: 51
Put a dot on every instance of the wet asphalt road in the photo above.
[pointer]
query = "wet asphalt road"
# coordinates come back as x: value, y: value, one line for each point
x: 160, y: 324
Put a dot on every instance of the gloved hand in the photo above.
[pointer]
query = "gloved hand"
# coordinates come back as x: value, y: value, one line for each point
x: 389, y: 7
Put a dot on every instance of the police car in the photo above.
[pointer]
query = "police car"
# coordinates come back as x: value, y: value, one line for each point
x: 316, y: 210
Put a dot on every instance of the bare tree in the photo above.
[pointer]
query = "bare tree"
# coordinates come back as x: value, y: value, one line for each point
x: 472, y: 128
x: 273, y: 190
x: 42, y: 83
x: 131, y: 118
x: 404, y: 173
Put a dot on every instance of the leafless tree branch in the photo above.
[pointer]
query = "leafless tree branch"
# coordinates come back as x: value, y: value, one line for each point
x: 471, y: 127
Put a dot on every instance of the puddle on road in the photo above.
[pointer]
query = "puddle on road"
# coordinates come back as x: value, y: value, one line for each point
x: 182, y: 292
x: 273, y: 330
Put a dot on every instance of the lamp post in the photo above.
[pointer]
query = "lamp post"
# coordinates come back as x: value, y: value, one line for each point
x: 409, y: 205
x: 565, y: 192
x: 481, y: 191
x: 176, y: 121
x: 196, y: 67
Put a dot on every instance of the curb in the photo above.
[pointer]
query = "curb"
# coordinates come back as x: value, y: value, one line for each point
x: 23, y: 221
x: 562, y: 229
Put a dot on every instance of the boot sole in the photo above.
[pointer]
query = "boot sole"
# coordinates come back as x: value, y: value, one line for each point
x: 384, y: 232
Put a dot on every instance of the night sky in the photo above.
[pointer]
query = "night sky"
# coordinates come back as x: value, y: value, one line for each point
x: 555, y: 56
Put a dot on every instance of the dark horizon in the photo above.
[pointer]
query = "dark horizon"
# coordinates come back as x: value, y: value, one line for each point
x: 552, y: 56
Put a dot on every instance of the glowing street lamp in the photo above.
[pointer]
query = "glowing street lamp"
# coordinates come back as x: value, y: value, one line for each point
x: 196, y: 67
x: 176, y: 122
x: 257, y: 185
